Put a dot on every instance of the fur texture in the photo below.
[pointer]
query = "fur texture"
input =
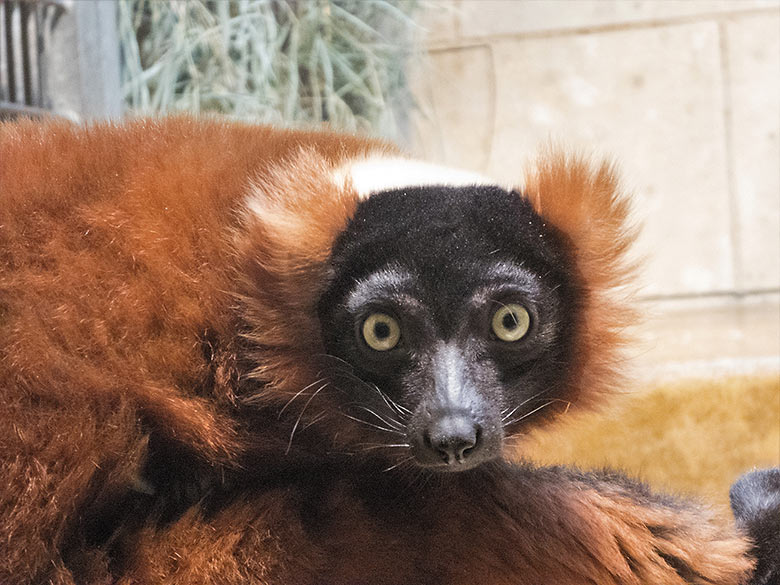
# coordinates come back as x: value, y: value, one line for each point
x: 158, y: 291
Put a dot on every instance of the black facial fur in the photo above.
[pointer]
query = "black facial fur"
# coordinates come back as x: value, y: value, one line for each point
x: 441, y: 261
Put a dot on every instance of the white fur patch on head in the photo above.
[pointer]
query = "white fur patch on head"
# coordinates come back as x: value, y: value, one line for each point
x: 382, y: 173
x: 391, y: 281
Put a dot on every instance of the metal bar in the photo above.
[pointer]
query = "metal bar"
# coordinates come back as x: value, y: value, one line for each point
x: 24, y: 19
x: 3, y: 64
x: 9, y: 50
x: 60, y: 55
x: 40, y: 51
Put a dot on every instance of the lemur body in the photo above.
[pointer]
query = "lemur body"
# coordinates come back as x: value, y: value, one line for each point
x: 233, y: 354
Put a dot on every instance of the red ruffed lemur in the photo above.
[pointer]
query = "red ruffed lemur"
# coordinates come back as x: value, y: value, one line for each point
x: 231, y: 354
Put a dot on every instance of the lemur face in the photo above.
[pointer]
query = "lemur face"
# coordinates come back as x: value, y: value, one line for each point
x: 450, y: 311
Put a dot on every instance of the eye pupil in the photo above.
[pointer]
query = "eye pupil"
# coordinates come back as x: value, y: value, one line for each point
x: 509, y: 321
x: 382, y: 330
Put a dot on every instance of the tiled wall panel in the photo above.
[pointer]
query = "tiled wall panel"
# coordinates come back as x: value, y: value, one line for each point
x: 753, y: 57
x: 466, y: 19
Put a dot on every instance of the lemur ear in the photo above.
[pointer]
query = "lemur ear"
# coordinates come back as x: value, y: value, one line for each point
x: 584, y: 201
x: 294, y: 213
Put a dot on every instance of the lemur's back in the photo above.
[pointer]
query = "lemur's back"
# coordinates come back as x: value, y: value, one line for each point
x: 115, y: 251
x: 115, y: 265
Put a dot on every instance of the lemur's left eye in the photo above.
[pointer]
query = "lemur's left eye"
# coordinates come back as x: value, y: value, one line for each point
x: 511, y: 322
x: 381, y: 332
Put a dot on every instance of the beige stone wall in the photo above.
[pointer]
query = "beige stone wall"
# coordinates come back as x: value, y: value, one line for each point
x: 684, y: 94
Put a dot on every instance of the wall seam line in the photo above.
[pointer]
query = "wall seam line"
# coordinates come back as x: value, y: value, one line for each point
x: 459, y: 40
x: 728, y: 118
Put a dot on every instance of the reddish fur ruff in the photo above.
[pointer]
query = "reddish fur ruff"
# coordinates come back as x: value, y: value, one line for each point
x: 586, y: 205
x: 138, y: 295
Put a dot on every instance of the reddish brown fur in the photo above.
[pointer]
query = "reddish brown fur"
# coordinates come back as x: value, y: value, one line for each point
x: 139, y: 298
x: 585, y: 203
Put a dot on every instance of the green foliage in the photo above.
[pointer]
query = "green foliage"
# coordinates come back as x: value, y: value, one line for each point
x: 275, y: 61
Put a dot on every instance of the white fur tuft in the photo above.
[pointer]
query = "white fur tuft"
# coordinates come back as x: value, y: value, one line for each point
x: 372, y: 175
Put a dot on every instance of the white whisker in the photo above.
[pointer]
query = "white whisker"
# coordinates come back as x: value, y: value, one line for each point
x: 526, y: 401
x: 297, y: 394
x: 317, y: 418
x: 347, y: 371
x: 511, y: 412
x: 401, y: 410
x: 391, y: 423
x: 375, y: 446
x: 364, y: 422
x: 298, y: 420
x: 527, y: 414
x: 401, y: 462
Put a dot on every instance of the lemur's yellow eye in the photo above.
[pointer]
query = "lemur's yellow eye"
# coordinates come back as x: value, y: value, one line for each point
x: 511, y: 322
x: 381, y: 331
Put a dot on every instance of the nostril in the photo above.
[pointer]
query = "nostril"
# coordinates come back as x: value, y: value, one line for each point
x: 452, y: 439
x: 470, y: 449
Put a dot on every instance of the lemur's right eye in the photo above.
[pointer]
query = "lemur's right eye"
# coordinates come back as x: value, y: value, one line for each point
x: 381, y: 332
x: 511, y: 322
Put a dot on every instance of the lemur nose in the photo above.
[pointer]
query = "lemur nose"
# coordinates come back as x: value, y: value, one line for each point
x: 453, y: 438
